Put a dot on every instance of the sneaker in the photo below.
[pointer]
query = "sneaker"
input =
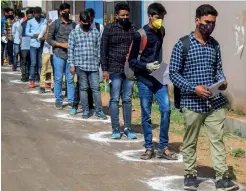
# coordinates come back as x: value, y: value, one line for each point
x: 101, y: 115
x: 92, y: 111
x: 73, y: 111
x: 32, y: 84
x: 226, y: 184
x: 58, y: 105
x: 116, y: 134
x: 41, y: 90
x: 190, y: 182
x: 47, y: 85
x: 85, y: 114
x: 70, y: 105
x: 130, y: 134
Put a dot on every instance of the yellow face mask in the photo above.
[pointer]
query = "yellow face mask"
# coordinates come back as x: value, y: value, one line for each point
x: 157, y: 23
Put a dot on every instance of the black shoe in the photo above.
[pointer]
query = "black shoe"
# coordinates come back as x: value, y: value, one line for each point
x: 190, y: 182
x: 70, y: 105
x: 41, y: 90
x: 58, y: 105
x: 226, y: 184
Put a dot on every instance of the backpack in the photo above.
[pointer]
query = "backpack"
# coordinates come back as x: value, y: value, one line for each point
x: 129, y: 72
x: 57, y: 26
x: 186, y: 45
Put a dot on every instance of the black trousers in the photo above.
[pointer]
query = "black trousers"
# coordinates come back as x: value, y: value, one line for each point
x: 3, y: 45
x: 10, y: 47
x: 25, y: 66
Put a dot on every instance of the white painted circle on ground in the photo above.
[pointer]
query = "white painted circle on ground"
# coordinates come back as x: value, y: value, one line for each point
x: 51, y: 100
x: 18, y: 82
x: 105, y: 137
x: 175, y: 183
x: 6, y: 67
x: 12, y: 73
x: 134, y: 155
x: 79, y: 118
x: 36, y: 92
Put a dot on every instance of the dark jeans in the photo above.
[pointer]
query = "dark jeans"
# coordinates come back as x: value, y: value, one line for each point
x: 16, y: 54
x: 77, y: 99
x: 3, y: 45
x: 10, y: 47
x: 25, y: 66
x: 36, y: 60
x: 89, y: 79
x: 120, y: 86
x: 146, y: 97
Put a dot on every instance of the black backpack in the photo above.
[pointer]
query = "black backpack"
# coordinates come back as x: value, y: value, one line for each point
x: 186, y: 45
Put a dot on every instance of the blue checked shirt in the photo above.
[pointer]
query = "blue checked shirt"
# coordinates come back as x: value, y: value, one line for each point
x: 84, y: 49
x: 201, y: 68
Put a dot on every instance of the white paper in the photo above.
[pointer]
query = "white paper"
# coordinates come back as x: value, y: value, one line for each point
x: 214, y: 89
x: 53, y: 15
x: 162, y: 75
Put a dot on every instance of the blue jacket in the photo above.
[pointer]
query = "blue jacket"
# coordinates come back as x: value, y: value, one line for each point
x: 152, y: 53
x: 2, y: 24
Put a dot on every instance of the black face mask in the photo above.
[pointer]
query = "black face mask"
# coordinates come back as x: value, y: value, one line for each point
x: 38, y: 18
x: 10, y: 17
x: 66, y: 15
x: 86, y: 27
x: 124, y: 22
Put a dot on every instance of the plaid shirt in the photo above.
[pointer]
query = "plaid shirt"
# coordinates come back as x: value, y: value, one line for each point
x: 84, y: 49
x: 8, y: 28
x: 115, y: 46
x: 201, y: 68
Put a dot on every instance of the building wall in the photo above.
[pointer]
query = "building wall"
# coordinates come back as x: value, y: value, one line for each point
x: 230, y: 32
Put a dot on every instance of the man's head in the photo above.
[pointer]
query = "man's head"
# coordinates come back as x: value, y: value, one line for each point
x: 122, y: 14
x: 6, y: 11
x: 206, y: 19
x: 37, y: 13
x: 86, y: 20
x: 91, y: 13
x: 65, y: 11
x: 29, y: 13
x: 10, y: 14
x: 156, y: 13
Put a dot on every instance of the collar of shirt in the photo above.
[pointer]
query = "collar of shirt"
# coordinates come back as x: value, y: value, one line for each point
x: 89, y: 31
x: 68, y: 22
x: 193, y: 38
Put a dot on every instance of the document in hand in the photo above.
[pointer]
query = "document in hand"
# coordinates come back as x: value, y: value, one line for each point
x: 53, y: 15
x: 162, y: 74
x: 214, y: 89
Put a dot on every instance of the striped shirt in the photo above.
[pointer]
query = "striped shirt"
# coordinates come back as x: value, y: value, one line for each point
x: 202, y: 67
x: 84, y: 49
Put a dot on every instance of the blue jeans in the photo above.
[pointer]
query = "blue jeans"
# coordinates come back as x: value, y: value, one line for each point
x: 36, y: 59
x: 146, y: 97
x: 16, y: 53
x: 120, y: 86
x: 61, y: 66
x: 89, y: 79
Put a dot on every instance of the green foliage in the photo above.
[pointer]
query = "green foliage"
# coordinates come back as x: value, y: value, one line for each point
x: 238, y: 152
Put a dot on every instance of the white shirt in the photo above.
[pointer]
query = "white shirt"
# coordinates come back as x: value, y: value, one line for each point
x: 16, y: 32
x: 93, y: 25
x: 47, y: 49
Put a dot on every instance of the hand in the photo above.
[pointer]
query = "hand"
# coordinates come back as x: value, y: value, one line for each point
x: 42, y: 39
x: 202, y: 91
x: 106, y: 76
x: 72, y: 70
x: 65, y: 45
x: 153, y: 66
x: 224, y: 86
x: 36, y: 35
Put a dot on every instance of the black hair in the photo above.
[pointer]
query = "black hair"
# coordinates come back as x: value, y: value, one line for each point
x: 29, y: 11
x: 204, y: 10
x: 121, y: 6
x: 11, y: 10
x: 6, y: 10
x: 64, y: 6
x: 37, y: 10
x: 85, y: 16
x: 91, y: 12
x: 156, y: 9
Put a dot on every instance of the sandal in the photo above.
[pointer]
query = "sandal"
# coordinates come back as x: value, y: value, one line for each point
x: 149, y: 153
x: 170, y: 156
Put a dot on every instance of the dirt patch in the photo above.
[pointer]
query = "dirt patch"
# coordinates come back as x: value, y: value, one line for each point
x: 237, y: 166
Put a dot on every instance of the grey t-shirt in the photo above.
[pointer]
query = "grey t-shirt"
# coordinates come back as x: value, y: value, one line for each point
x: 61, y: 36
